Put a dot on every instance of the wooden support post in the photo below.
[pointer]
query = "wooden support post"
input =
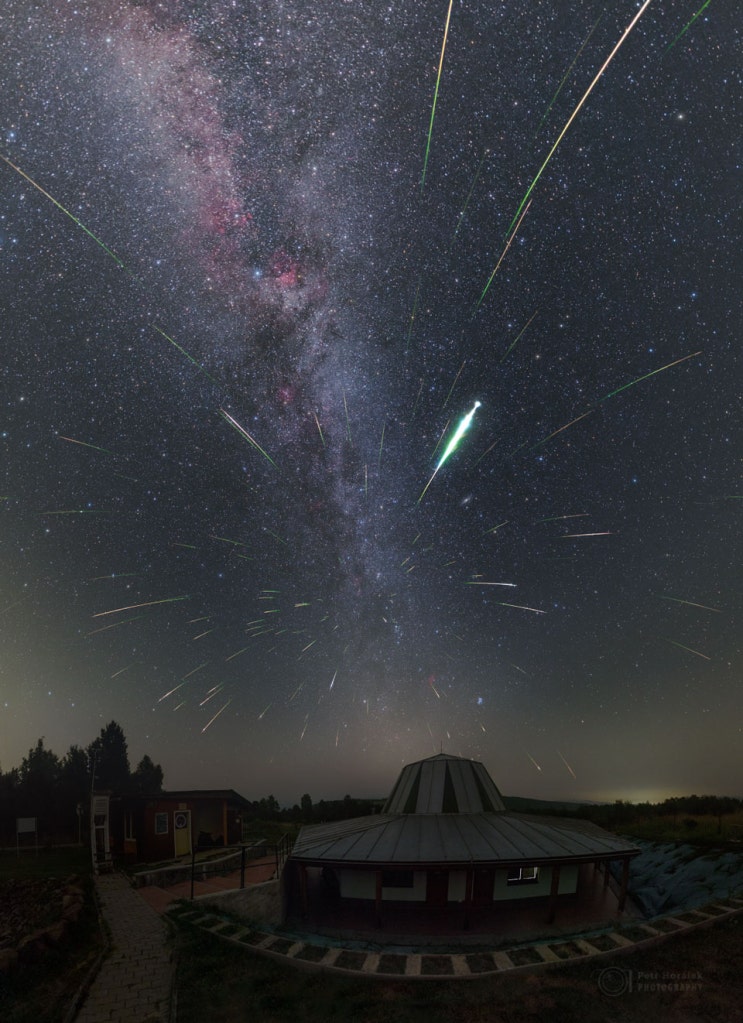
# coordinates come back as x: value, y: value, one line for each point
x: 607, y: 873
x: 378, y: 897
x: 554, y: 889
x: 467, y: 898
x: 625, y: 881
x: 303, y: 888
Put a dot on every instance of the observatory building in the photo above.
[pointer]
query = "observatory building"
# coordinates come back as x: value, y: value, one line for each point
x: 445, y: 841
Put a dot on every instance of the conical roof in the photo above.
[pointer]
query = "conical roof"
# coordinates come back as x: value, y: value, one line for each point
x: 444, y: 784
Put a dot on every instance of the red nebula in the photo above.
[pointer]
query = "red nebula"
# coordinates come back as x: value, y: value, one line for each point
x: 285, y: 269
x: 287, y: 393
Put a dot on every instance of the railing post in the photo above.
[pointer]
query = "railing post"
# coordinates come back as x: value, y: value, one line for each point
x: 243, y: 852
x: 193, y: 868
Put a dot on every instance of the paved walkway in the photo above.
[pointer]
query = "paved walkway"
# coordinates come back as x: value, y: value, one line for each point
x: 135, y: 980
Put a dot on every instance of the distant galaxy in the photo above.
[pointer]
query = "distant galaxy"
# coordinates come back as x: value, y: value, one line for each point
x: 371, y: 387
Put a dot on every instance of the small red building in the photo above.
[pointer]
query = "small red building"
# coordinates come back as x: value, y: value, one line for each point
x: 170, y: 824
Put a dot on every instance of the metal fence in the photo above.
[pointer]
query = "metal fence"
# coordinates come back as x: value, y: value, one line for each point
x: 242, y: 858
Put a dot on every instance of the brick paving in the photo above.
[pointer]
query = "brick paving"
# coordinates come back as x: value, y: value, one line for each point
x: 135, y: 980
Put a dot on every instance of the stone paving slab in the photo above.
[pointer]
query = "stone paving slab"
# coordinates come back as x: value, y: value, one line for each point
x: 135, y: 981
x: 455, y: 964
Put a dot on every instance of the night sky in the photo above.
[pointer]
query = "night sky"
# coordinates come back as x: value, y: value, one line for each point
x: 241, y: 328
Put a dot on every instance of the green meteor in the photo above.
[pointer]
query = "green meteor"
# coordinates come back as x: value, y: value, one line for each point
x: 436, y: 94
x: 452, y: 445
x: 651, y: 374
x: 67, y: 213
x: 687, y: 26
x: 567, y: 73
x: 577, y: 110
x: 184, y: 352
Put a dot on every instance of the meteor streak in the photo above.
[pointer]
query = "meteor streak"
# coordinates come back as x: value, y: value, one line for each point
x: 436, y: 94
x: 83, y: 444
x: 67, y: 213
x: 567, y: 74
x: 472, y: 189
x: 502, y: 257
x: 520, y: 607
x: 578, y: 108
x: 518, y: 336
x: 566, y: 763
x: 170, y: 692
x: 244, y: 433
x: 690, y: 603
x: 565, y: 427
x: 472, y: 582
x: 147, y: 603
x: 124, y: 621
x: 687, y: 26
x: 459, y: 373
x: 652, y: 374
x: 216, y: 716
x: 184, y: 352
x: 572, y: 536
x: 688, y: 649
x: 452, y: 445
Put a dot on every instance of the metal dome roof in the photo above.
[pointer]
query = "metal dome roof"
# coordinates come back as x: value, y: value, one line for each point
x: 444, y: 784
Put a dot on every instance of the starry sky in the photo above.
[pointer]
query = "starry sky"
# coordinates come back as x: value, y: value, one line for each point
x: 248, y: 294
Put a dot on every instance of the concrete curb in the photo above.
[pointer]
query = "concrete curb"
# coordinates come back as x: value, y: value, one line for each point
x: 455, y: 965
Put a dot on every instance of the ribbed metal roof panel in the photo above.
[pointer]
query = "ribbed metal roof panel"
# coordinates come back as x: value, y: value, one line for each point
x: 454, y: 838
x: 424, y: 790
x: 425, y: 783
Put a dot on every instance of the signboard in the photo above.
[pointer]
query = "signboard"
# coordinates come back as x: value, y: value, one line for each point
x: 25, y: 826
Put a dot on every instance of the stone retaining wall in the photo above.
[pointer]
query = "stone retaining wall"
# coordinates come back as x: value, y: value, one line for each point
x: 260, y: 903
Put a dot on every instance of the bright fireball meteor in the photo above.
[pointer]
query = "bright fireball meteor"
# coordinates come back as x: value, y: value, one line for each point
x: 453, y: 444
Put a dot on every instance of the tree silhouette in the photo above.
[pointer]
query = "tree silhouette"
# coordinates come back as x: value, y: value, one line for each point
x: 306, y: 804
x: 39, y: 776
x: 147, y: 779
x: 109, y: 759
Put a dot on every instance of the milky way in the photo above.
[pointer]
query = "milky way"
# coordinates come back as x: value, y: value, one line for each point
x: 243, y: 407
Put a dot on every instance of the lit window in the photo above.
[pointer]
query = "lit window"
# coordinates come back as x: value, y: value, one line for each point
x: 523, y: 875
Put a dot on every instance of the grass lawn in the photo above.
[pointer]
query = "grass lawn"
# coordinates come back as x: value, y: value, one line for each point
x: 47, y: 863
x: 41, y: 991
x: 219, y: 982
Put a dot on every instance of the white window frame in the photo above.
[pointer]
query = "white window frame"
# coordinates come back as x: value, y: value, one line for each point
x: 523, y: 875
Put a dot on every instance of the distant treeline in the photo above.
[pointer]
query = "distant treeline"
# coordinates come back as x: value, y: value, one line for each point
x: 56, y: 790
x: 622, y: 812
x: 307, y: 812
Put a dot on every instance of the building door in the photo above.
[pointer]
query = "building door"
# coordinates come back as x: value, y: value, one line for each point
x: 182, y: 832
x: 437, y: 887
x: 482, y: 887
